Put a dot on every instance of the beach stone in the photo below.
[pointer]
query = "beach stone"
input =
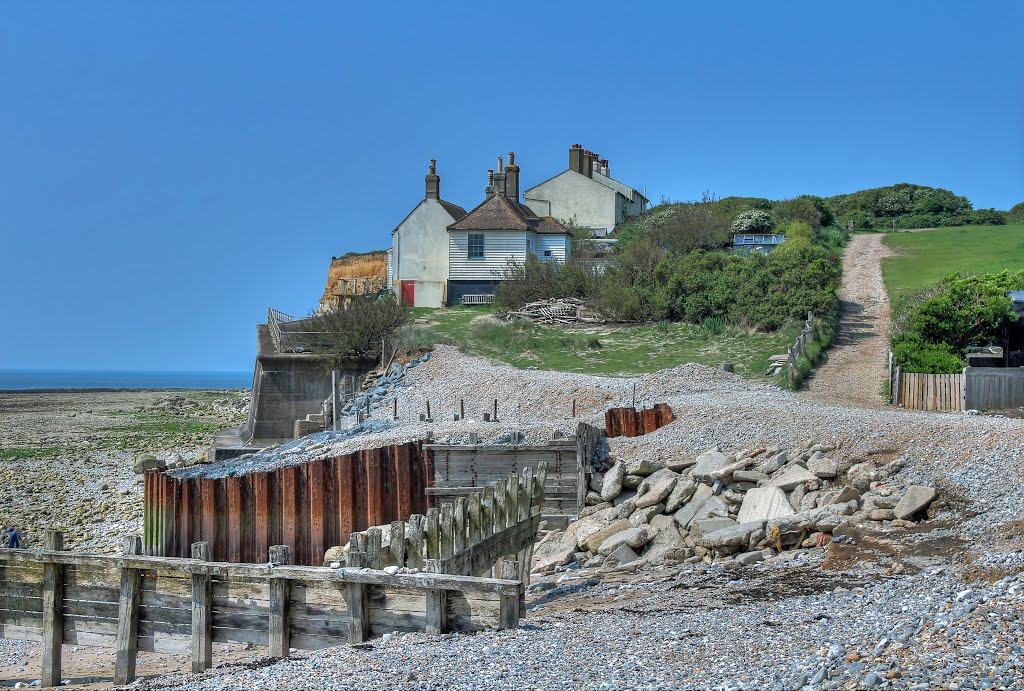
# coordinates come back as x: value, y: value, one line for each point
x: 634, y: 537
x: 639, y: 466
x: 668, y: 546
x: 336, y: 553
x: 550, y: 555
x: 597, y: 538
x: 680, y: 464
x: 681, y: 493
x: 748, y: 558
x: 624, y: 496
x: 645, y: 515
x: 844, y: 495
x: 764, y: 503
x: 791, y: 477
x: 703, y: 505
x: 654, y: 478
x: 917, y: 498
x: 707, y: 463
x: 731, y: 537
x: 823, y: 467
x: 662, y: 522
x: 612, y: 485
x: 657, y: 493
x: 623, y: 554
x: 145, y: 462
x: 578, y: 531
x: 772, y: 464
x: 631, y: 481
x: 753, y: 476
x: 709, y: 525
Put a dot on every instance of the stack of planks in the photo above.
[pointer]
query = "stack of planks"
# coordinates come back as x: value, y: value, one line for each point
x: 630, y: 422
x: 557, y: 311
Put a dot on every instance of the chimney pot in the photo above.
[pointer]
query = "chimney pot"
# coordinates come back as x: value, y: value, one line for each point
x: 433, y: 182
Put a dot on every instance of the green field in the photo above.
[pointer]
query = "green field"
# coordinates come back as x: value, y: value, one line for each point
x: 606, y: 350
x: 929, y: 256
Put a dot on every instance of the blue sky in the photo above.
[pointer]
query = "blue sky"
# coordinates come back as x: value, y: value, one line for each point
x: 168, y: 170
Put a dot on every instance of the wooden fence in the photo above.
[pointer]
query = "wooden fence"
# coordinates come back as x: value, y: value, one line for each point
x: 937, y: 392
x: 134, y: 602
x: 993, y: 388
x: 309, y: 507
x: 630, y: 422
x: 799, y: 347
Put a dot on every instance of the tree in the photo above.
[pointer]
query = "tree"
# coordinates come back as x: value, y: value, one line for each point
x: 753, y: 221
x: 356, y: 330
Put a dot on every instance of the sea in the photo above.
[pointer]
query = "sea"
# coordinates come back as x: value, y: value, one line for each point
x: 57, y: 380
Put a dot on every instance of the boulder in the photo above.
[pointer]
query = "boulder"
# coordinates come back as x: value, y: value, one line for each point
x: 624, y: 510
x: 843, y: 495
x: 624, y: 496
x: 748, y: 558
x: 772, y: 464
x: 593, y: 499
x: 597, y: 538
x: 662, y: 522
x: 147, y: 461
x: 657, y: 493
x: 623, y: 554
x: 680, y: 464
x: 578, y: 531
x: 645, y: 515
x: 612, y: 485
x: 732, y: 537
x: 634, y: 537
x: 596, y: 482
x: 703, y: 505
x: 682, y: 493
x: 753, y: 476
x: 707, y: 463
x: 631, y: 481
x: 880, y: 515
x: 668, y: 546
x: 336, y: 553
x: 916, y: 499
x: 862, y: 474
x: 549, y: 556
x: 791, y: 477
x: 654, y: 478
x: 591, y: 510
x: 823, y: 467
x: 709, y: 525
x: 764, y: 503
x: 639, y: 466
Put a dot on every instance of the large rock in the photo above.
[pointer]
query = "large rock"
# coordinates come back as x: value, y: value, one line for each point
x: 764, y: 503
x: 680, y: 464
x: 709, y: 525
x: 654, y: 478
x: 639, y: 466
x: 624, y: 496
x: 596, y: 538
x: 623, y: 554
x: 682, y: 493
x: 735, y: 536
x: 634, y: 537
x: 336, y: 553
x: 645, y: 515
x: 707, y: 463
x: 147, y: 461
x: 612, y: 485
x: 917, y: 498
x: 823, y: 467
x: 662, y: 522
x: 791, y: 477
x: 656, y: 493
x: 578, y: 531
x: 668, y: 547
x: 703, y: 505
x: 772, y: 464
x: 753, y: 476
x: 550, y: 555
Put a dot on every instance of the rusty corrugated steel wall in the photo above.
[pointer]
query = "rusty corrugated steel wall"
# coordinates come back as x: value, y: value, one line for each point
x: 630, y: 422
x: 309, y: 507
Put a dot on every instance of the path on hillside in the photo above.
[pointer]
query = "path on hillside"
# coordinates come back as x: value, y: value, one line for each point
x: 857, y: 364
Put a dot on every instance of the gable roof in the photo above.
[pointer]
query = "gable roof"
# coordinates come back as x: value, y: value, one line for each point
x: 603, y: 180
x: 498, y: 212
x: 455, y: 211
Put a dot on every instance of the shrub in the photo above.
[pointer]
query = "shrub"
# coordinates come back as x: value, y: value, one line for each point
x: 1016, y: 214
x: 357, y: 330
x: 595, y: 343
x: 803, y: 210
x: 833, y: 236
x: 988, y: 217
x: 917, y: 355
x: 753, y: 221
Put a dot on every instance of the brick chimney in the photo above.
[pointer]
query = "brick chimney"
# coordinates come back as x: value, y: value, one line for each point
x: 499, y: 178
x: 588, y: 163
x: 604, y: 168
x: 512, y: 177
x: 576, y: 158
x: 433, y: 181
x: 489, y: 190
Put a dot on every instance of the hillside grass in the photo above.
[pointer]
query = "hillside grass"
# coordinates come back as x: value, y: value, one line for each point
x: 604, y: 350
x: 928, y: 256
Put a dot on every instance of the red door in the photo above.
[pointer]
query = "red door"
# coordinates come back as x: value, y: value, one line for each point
x: 408, y: 293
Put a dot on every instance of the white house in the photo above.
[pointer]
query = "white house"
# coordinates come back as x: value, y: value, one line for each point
x: 418, y: 258
x: 586, y: 194
x: 499, y: 229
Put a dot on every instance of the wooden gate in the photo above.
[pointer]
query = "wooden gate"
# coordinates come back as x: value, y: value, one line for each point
x: 938, y: 392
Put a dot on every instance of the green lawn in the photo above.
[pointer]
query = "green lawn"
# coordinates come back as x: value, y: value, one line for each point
x: 608, y: 350
x: 931, y: 255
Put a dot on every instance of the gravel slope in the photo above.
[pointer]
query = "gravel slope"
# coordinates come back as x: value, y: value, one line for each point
x: 856, y: 367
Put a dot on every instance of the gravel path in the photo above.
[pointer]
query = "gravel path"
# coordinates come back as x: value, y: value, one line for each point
x: 856, y: 367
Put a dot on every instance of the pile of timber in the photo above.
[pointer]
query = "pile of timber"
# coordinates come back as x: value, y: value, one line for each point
x: 557, y: 311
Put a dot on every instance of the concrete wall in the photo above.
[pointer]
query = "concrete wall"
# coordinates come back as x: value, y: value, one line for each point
x: 577, y: 198
x: 419, y: 252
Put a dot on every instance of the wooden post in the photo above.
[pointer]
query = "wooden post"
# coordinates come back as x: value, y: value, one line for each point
x: 355, y: 597
x: 396, y: 549
x: 574, y: 407
x: 582, y: 463
x: 437, y: 601
x: 446, y: 532
x: 414, y: 558
x: 373, y: 548
x: 512, y: 497
x: 494, y: 418
x: 335, y: 400
x: 462, y: 409
x: 525, y: 492
x: 508, y: 606
x: 202, y: 613
x: 473, y: 520
x: 53, y: 610
x: 395, y: 405
x: 487, y: 512
x: 279, y: 593
x: 428, y: 410
x: 432, y: 533
x: 459, y: 524
x: 128, y: 616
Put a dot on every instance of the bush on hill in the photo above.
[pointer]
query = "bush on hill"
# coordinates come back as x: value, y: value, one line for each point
x: 753, y: 221
x: 1016, y: 214
x: 357, y: 330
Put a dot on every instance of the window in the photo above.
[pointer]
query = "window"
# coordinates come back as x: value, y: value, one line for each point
x: 476, y: 245
x: 547, y: 253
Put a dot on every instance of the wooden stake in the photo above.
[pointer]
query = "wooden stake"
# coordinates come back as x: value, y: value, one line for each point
x: 462, y: 409
x: 53, y: 611
x: 279, y: 595
x: 437, y: 602
x: 128, y: 616
x: 355, y: 597
x: 202, y: 613
x: 494, y: 417
x: 508, y: 606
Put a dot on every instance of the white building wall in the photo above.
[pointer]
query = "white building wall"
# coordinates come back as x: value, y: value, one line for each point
x: 577, y: 198
x: 558, y: 245
x: 419, y: 253
x: 499, y: 247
